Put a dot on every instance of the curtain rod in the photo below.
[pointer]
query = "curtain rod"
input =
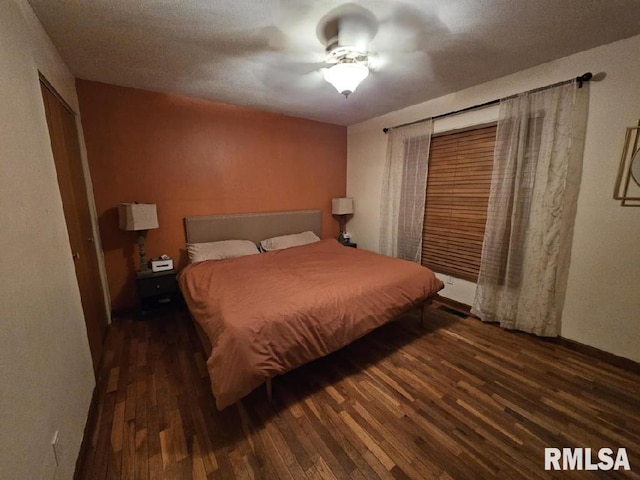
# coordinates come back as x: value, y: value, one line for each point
x: 585, y: 77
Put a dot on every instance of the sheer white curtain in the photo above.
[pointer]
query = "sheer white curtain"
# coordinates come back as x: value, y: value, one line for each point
x: 532, y: 204
x: 404, y: 190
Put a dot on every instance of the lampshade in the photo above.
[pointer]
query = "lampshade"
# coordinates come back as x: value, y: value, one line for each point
x: 342, y: 206
x: 346, y: 76
x: 138, y: 216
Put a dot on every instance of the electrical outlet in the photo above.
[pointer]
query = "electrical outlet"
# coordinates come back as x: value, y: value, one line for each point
x: 57, y: 449
x: 449, y: 280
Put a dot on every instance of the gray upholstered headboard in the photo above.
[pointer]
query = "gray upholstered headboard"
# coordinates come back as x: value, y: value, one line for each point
x: 251, y: 226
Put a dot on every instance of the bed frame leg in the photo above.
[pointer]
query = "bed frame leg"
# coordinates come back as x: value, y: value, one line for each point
x: 423, y: 310
x: 269, y: 391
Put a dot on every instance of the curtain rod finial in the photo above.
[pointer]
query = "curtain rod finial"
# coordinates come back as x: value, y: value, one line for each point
x: 585, y: 77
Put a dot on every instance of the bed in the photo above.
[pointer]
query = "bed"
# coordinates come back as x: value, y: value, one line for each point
x: 263, y: 315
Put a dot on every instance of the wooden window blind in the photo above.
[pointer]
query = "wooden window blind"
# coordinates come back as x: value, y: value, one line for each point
x: 458, y: 182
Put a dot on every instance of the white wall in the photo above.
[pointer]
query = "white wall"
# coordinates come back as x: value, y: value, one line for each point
x: 51, y: 65
x: 46, y: 377
x: 602, y: 306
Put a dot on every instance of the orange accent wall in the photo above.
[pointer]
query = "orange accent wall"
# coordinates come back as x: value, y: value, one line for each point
x: 195, y: 157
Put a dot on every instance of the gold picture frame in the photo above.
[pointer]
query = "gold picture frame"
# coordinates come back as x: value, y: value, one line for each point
x: 629, y: 171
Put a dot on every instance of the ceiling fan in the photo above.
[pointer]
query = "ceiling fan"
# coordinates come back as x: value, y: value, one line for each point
x: 346, y: 31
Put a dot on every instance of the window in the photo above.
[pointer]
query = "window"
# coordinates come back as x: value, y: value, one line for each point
x: 458, y: 182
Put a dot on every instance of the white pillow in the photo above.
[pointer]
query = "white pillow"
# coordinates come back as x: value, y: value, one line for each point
x: 199, y: 252
x: 286, y: 241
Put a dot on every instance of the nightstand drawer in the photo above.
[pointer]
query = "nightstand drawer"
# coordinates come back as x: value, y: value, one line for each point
x: 153, y: 286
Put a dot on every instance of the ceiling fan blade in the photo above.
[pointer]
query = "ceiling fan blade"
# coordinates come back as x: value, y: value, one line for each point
x: 408, y: 29
x: 282, y: 80
x: 294, y: 61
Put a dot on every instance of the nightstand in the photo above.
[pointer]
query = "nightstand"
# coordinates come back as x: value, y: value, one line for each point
x: 158, y: 291
x: 349, y: 244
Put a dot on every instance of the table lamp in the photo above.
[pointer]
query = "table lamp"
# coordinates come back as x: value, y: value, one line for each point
x: 139, y: 217
x: 342, y: 207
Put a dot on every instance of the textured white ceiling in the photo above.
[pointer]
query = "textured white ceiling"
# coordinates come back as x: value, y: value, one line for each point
x: 266, y: 53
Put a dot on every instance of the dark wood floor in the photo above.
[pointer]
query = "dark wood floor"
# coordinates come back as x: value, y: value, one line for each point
x: 457, y: 399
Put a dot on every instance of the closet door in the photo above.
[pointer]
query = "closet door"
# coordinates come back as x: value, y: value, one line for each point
x: 66, y: 153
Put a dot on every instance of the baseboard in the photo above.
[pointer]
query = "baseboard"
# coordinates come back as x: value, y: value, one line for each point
x: 123, y: 312
x: 461, y: 307
x: 89, y: 427
x: 593, y: 352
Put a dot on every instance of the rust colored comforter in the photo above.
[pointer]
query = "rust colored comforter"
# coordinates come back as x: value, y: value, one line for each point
x: 270, y: 313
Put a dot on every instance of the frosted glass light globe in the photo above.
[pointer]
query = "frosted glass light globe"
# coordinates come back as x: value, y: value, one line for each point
x: 346, y: 77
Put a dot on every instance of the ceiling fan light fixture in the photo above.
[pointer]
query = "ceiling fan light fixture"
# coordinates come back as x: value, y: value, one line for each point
x: 346, y: 76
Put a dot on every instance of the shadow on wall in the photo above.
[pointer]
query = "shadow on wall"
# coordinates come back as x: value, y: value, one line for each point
x: 182, y: 260
x: 123, y: 244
